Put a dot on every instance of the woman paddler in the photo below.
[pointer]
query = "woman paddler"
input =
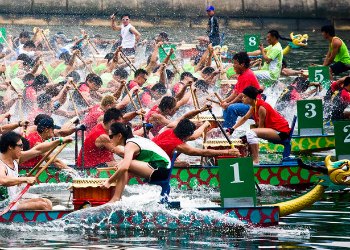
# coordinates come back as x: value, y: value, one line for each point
x: 12, y: 154
x: 270, y: 124
x: 142, y: 158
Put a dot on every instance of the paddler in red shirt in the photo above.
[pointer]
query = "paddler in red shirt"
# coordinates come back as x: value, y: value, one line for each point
x: 271, y: 125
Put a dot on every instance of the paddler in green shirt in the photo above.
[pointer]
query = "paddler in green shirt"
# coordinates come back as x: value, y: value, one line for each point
x: 273, y: 56
x: 337, y: 58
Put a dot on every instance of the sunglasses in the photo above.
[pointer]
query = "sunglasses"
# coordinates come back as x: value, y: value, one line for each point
x: 125, y: 19
x: 111, y: 136
x: 19, y: 145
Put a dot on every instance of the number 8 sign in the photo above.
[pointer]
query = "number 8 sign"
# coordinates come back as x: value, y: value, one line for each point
x: 320, y: 74
x: 251, y: 42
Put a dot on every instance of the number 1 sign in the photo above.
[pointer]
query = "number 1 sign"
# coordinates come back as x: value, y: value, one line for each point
x: 251, y: 42
x: 342, y: 139
x: 237, y: 186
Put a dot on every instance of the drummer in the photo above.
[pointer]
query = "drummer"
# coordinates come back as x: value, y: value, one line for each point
x: 270, y: 124
x: 12, y: 154
x: 142, y: 158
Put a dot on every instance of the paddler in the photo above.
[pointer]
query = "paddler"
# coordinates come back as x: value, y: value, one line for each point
x: 341, y: 101
x: 270, y: 124
x: 142, y: 158
x: 12, y: 154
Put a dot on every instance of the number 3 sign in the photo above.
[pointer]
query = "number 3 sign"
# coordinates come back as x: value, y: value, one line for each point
x: 310, y: 117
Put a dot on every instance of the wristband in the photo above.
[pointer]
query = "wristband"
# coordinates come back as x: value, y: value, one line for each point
x: 61, y: 140
x: 230, y: 130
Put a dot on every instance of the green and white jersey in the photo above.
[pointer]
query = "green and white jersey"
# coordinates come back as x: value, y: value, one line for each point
x: 275, y: 53
x: 150, y: 152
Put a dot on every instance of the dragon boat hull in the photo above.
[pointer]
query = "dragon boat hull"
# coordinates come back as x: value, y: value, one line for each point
x: 286, y: 174
x: 301, y: 144
x: 257, y: 216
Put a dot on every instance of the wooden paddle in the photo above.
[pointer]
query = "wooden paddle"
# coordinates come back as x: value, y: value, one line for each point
x: 128, y: 93
x: 171, y: 61
x: 81, y: 95
x: 127, y: 61
x: 41, y: 161
x: 142, y: 116
x: 13, y: 203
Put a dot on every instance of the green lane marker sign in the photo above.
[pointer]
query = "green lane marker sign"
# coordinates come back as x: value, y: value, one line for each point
x: 342, y: 139
x: 237, y: 186
x: 3, y: 35
x: 251, y: 42
x: 310, y: 117
x: 167, y: 48
x: 320, y: 74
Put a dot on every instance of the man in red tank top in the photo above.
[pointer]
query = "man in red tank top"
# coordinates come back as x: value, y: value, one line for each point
x: 97, y: 145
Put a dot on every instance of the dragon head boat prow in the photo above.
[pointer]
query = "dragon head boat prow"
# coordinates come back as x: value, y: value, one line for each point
x: 336, y: 176
x: 338, y: 171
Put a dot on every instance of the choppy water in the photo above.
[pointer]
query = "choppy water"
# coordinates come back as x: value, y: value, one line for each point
x: 323, y: 226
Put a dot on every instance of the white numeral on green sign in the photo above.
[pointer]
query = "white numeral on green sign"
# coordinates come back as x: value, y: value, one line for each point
x: 310, y: 110
x: 318, y: 75
x: 252, y: 41
x: 236, y: 177
x: 346, y: 130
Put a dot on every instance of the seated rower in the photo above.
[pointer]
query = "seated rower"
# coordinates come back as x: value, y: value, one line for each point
x: 44, y: 131
x: 12, y: 154
x: 271, y: 125
x: 341, y: 101
x: 142, y: 158
x: 175, y: 140
x: 98, y: 147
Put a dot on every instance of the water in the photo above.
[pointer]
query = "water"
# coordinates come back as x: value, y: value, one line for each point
x: 323, y: 226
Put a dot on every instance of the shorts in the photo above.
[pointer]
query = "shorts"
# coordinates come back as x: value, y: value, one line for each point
x: 283, y: 135
x: 129, y: 51
x: 339, y: 67
x: 160, y: 173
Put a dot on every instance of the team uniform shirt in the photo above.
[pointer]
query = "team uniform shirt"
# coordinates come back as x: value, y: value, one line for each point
x: 150, y: 152
x: 156, y: 126
x: 273, y: 119
x: 275, y: 53
x: 33, y: 138
x: 246, y: 79
x: 168, y: 141
x: 343, y: 53
x: 91, y: 119
x: 9, y: 192
x: 93, y: 155
x: 340, y: 102
x: 128, y: 38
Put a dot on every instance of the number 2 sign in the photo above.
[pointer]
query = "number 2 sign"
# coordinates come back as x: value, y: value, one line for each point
x: 342, y: 139
x: 251, y: 42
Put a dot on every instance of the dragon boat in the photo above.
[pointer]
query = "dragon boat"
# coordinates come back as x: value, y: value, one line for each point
x: 335, y: 175
x: 287, y: 174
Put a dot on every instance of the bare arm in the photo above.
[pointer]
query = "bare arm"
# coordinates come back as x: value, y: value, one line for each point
x: 136, y: 33
x: 9, y: 181
x: 188, y: 150
x: 130, y: 150
x: 241, y: 121
x: 103, y: 141
x: 262, y: 116
x: 41, y: 149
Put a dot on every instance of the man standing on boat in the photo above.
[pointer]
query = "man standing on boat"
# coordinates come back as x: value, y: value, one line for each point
x: 130, y: 36
x: 338, y: 58
x: 213, y: 26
